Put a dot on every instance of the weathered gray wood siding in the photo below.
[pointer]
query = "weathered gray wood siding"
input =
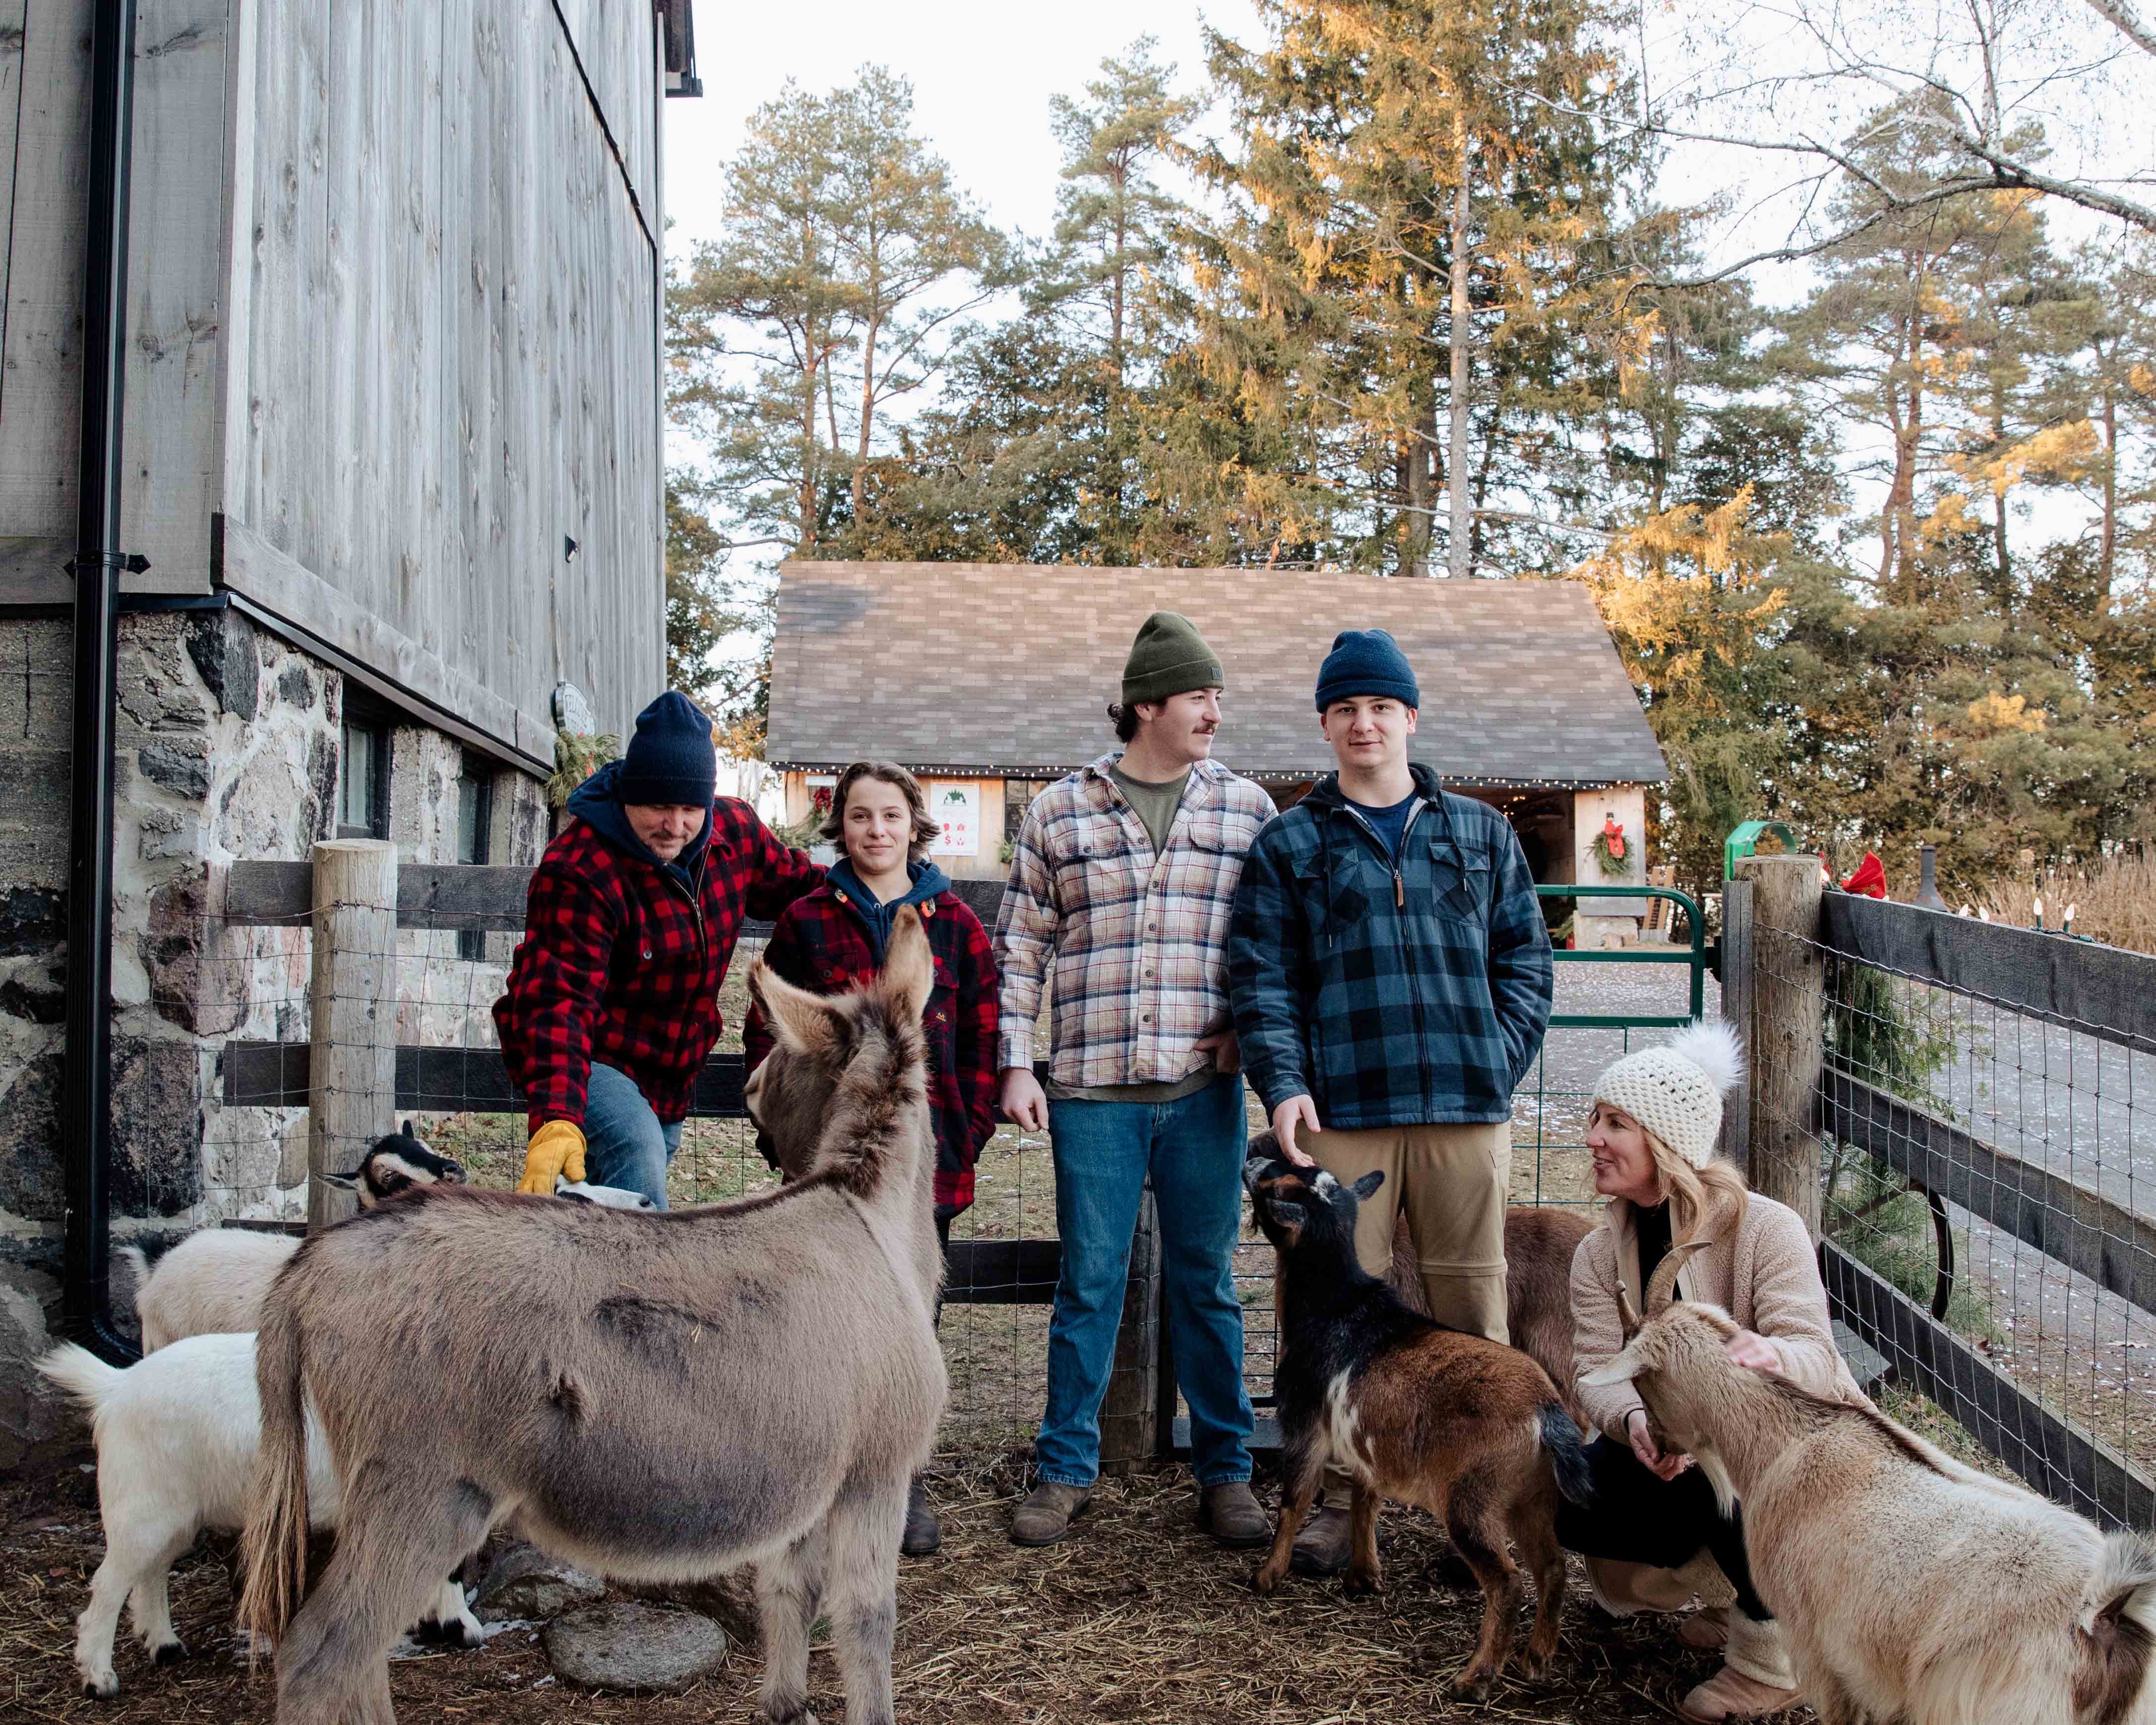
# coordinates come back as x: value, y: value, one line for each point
x: 394, y: 331
x: 443, y: 344
x: 175, y: 277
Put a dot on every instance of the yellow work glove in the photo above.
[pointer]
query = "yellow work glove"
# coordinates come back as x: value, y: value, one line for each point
x: 556, y: 1147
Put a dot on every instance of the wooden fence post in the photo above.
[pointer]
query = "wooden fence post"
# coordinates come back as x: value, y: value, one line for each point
x: 1787, y: 1043
x: 1129, y: 1411
x: 352, y: 1087
x: 1736, y: 1141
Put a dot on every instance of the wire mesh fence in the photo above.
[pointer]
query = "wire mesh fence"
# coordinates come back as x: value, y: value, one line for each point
x: 1983, y: 1175
x: 241, y: 1154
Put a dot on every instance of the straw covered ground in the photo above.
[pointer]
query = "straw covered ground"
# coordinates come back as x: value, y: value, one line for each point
x: 1138, y: 1617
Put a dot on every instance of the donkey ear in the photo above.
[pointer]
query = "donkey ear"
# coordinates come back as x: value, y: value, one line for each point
x: 801, y: 1020
x: 909, y: 966
x: 1368, y: 1183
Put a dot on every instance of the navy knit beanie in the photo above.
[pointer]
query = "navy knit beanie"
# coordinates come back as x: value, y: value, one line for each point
x: 1366, y: 662
x: 671, y: 759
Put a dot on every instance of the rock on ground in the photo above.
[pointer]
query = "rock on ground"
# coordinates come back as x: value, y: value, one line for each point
x: 523, y: 1582
x: 628, y: 1646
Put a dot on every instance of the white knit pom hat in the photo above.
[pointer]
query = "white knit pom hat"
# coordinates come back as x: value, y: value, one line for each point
x: 1676, y: 1091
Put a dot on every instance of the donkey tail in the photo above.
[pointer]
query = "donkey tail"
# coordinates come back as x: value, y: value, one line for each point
x: 275, y: 1548
x: 1575, y: 1481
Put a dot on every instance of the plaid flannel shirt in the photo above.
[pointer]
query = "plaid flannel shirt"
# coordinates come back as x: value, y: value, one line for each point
x: 820, y: 944
x: 620, y: 963
x: 1133, y: 945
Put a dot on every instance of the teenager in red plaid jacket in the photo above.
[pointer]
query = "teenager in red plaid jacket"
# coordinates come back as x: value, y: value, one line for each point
x: 834, y: 937
x: 612, y: 1001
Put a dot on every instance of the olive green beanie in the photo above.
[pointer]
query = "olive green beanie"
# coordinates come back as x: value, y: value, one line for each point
x: 1169, y: 657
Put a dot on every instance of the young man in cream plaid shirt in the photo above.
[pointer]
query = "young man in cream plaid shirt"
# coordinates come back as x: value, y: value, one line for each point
x: 1121, y: 885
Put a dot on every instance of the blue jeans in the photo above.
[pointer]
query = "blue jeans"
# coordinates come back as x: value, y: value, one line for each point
x: 1104, y: 1151
x: 625, y: 1144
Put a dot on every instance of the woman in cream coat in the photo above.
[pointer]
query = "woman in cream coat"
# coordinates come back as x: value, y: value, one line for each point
x: 1653, y: 1535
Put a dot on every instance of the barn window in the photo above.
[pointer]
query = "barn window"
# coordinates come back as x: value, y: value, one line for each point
x: 363, y: 786
x: 475, y: 823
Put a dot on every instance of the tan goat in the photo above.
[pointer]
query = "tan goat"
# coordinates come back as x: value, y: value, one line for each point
x: 1914, y: 1590
x: 655, y: 1396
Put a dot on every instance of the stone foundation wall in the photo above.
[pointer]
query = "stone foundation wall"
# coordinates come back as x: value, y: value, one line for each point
x: 227, y: 748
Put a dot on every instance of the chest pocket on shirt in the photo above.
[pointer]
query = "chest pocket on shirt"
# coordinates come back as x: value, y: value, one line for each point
x: 1459, y: 882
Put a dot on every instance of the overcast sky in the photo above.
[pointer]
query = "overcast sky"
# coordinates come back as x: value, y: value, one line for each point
x: 982, y: 71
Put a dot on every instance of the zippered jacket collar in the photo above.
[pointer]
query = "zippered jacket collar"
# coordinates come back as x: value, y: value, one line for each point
x: 1326, y: 794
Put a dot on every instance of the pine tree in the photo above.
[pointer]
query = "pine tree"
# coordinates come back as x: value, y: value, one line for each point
x: 1396, y: 298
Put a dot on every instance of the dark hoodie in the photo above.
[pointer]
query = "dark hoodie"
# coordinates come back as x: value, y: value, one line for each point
x: 598, y: 804
x: 928, y: 883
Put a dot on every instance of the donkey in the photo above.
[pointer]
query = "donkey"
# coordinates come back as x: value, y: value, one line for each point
x: 655, y: 1396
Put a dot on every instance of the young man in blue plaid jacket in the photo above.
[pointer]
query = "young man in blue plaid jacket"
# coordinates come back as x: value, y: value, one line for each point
x: 1390, y: 972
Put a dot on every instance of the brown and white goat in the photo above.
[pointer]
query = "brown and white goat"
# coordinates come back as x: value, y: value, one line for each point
x: 1467, y: 1428
x: 657, y: 1397
x: 1540, y: 1240
x: 1913, y: 1590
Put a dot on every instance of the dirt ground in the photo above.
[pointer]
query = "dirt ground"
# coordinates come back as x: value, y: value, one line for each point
x: 1138, y: 1617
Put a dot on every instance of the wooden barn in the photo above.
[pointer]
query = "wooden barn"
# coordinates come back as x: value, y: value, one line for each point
x: 351, y: 310
x: 989, y: 681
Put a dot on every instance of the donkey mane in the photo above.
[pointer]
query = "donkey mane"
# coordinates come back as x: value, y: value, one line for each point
x: 876, y: 1095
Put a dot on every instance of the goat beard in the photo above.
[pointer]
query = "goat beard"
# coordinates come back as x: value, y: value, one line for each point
x: 1718, y: 1476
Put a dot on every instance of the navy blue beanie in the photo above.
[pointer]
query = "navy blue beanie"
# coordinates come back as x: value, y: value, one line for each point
x: 1366, y: 662
x: 671, y: 759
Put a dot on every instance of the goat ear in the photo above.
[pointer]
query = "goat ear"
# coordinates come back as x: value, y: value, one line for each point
x: 800, y: 1020
x: 1622, y: 1369
x: 1368, y: 1183
x: 909, y: 965
x: 343, y: 1182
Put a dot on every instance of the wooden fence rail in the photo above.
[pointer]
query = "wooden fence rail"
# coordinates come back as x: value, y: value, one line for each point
x: 2095, y: 990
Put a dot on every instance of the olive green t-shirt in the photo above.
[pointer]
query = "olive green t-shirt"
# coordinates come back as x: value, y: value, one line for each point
x: 1156, y: 805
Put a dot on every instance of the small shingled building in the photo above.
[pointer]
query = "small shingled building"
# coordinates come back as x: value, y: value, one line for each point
x: 989, y: 680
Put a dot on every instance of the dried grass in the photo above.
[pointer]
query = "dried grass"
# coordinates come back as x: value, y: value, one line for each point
x: 2113, y: 898
x: 1138, y: 1616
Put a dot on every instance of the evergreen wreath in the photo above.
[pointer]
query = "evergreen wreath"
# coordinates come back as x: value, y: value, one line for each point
x: 1610, y: 848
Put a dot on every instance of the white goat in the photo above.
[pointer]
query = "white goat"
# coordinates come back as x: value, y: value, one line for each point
x: 176, y: 1437
x: 1914, y: 1590
x: 214, y: 1280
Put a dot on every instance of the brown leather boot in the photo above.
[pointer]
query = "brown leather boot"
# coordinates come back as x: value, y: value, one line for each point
x: 1046, y: 1516
x: 1321, y: 1549
x: 923, y: 1534
x: 1232, y: 1515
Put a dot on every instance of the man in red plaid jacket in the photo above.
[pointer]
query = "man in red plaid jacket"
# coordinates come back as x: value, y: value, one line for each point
x: 612, y: 1001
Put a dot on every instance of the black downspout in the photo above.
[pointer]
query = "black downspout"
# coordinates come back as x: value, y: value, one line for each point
x: 97, y: 561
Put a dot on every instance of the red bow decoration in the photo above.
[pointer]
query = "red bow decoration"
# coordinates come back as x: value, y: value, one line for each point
x: 1614, y: 835
x: 1870, y: 880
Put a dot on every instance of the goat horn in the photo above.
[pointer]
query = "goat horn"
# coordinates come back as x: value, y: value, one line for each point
x: 1627, y: 1315
x: 1663, y: 1286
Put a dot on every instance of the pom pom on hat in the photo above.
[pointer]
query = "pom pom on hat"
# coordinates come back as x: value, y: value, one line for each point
x: 1676, y: 1091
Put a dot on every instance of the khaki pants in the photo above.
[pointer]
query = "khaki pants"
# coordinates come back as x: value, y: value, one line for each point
x: 1451, y: 1182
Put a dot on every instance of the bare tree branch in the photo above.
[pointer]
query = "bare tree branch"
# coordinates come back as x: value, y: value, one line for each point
x: 2120, y: 15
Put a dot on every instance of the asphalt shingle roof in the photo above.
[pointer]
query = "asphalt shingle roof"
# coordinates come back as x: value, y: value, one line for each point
x: 1006, y: 669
